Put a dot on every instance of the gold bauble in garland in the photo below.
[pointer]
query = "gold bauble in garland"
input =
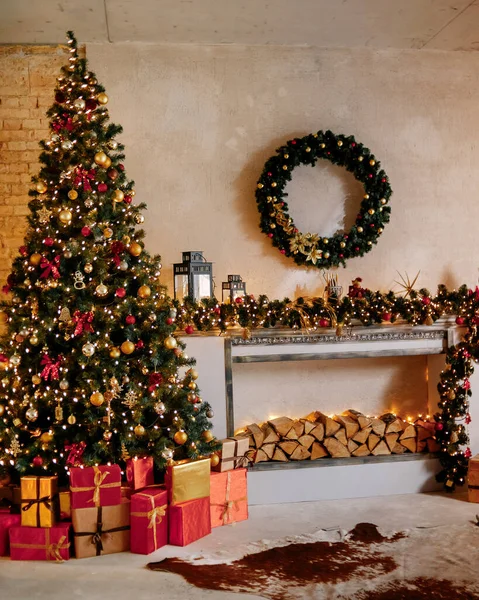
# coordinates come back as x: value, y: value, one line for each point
x: 115, y: 353
x: 35, y: 259
x: 144, y: 291
x: 170, y: 342
x: 73, y: 194
x: 71, y: 420
x: 100, y: 158
x: 118, y: 196
x: 192, y: 385
x: 207, y: 436
x: 97, y: 399
x: 102, y: 98
x: 65, y: 216
x: 41, y: 187
x: 128, y: 347
x: 46, y: 437
x: 215, y: 460
x: 180, y: 437
x: 139, y: 431
x: 135, y: 249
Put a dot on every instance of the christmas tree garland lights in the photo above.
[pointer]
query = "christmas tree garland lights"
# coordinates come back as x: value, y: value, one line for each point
x: 307, y: 248
x: 369, y: 308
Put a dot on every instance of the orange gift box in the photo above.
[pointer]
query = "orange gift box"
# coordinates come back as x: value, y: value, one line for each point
x: 229, y: 497
x: 473, y: 479
x: 95, y: 486
x: 189, y: 521
x: 149, y: 521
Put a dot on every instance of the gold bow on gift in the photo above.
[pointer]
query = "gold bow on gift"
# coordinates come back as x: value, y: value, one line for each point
x: 98, y: 484
x: 155, y: 516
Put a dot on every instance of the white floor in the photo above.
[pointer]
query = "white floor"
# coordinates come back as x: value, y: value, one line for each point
x: 122, y: 576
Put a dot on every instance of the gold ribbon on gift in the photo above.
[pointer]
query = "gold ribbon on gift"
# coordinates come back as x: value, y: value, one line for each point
x: 98, y: 485
x: 228, y: 505
x: 155, y: 516
x: 52, y: 549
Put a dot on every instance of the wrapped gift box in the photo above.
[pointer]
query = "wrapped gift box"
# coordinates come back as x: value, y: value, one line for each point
x: 189, y: 521
x: 149, y: 520
x: 95, y: 486
x: 473, y: 479
x: 102, y: 530
x: 232, y: 454
x: 39, y: 501
x: 40, y: 543
x: 139, y: 472
x: 188, y: 480
x: 7, y: 521
x: 65, y: 501
x: 126, y: 492
x: 229, y: 497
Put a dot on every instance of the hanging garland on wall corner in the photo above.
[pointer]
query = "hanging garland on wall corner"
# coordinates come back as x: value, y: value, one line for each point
x: 310, y: 249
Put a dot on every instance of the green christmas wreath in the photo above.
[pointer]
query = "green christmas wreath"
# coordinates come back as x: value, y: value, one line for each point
x: 309, y: 248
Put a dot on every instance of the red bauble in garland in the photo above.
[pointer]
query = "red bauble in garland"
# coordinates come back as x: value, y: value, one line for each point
x: 426, y: 300
x: 189, y: 329
x: 85, y: 231
x: 239, y: 300
x: 386, y: 316
x: 467, y: 453
x: 439, y: 426
x: 323, y: 322
x: 48, y: 241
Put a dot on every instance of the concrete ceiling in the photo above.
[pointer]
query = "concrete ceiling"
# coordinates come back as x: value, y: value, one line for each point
x: 416, y: 24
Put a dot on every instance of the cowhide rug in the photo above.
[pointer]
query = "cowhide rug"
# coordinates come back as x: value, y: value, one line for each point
x: 438, y: 563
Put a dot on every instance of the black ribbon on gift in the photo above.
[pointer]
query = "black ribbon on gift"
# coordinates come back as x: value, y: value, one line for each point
x: 97, y: 536
x: 47, y: 501
x: 473, y: 487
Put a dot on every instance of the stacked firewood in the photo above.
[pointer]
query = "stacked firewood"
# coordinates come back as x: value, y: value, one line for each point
x: 349, y: 434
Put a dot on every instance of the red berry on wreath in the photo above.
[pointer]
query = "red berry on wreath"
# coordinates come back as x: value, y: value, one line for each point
x: 324, y: 322
x: 386, y: 316
x: 460, y: 320
x: 169, y: 321
x: 426, y: 300
x: 189, y: 329
x: 37, y: 461
x: 120, y: 292
x: 48, y: 241
x: 102, y: 187
x: 85, y: 231
x: 467, y: 420
x: 130, y: 319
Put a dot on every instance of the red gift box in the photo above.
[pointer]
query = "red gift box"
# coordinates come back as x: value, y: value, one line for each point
x: 139, y: 472
x: 95, y: 486
x: 189, y: 521
x: 40, y: 543
x: 7, y: 521
x: 229, y: 497
x: 149, y: 521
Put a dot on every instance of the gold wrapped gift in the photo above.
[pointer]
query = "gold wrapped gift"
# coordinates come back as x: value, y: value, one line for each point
x: 39, y: 501
x: 65, y: 499
x: 188, y: 480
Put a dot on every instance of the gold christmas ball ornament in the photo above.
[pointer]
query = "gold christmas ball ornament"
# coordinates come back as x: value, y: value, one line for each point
x: 107, y: 163
x: 180, y: 437
x: 108, y: 232
x: 65, y: 216
x: 128, y: 347
x: 215, y: 460
x: 191, y: 397
x: 46, y: 437
x: 372, y: 162
x: 139, y: 431
x: 34, y: 340
x: 35, y: 259
x: 360, y: 229
x: 108, y: 396
x: 115, y: 353
x: 371, y: 211
x: 2, y: 409
x: 126, y: 239
x: 383, y: 200
x: 102, y: 98
x: 97, y: 399
x: 118, y: 196
x: 340, y: 143
x: 71, y: 420
x: 32, y: 414
x: 144, y: 291
x: 100, y: 158
x: 207, y: 436
x: 88, y: 268
x: 342, y: 244
x: 73, y: 194
x: 101, y: 290
x: 192, y: 385
x: 135, y: 249
x: 88, y: 349
x: 170, y: 343
x: 193, y: 373
x: 3, y: 317
x: 41, y: 187
x: 36, y: 379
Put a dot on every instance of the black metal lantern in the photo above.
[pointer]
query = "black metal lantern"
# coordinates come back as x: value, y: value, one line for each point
x: 193, y: 277
x: 234, y: 288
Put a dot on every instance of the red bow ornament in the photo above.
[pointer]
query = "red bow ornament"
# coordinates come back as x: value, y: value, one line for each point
x: 65, y: 123
x: 51, y: 369
x: 83, y: 178
x: 116, y: 248
x: 82, y: 322
x: 50, y: 268
x: 154, y: 381
x: 75, y: 458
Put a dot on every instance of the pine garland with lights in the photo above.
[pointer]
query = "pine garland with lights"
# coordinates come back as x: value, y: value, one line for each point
x: 307, y: 248
x: 92, y: 371
x: 367, y: 307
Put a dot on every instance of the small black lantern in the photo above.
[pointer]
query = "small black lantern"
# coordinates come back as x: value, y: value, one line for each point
x: 234, y: 288
x: 193, y: 277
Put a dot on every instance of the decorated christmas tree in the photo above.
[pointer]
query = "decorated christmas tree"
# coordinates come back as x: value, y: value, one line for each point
x: 92, y: 372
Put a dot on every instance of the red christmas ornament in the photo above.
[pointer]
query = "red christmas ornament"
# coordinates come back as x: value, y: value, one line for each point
x: 426, y: 300
x: 128, y: 199
x: 460, y: 320
x: 383, y: 180
x: 48, y: 241
x: 293, y: 142
x: 189, y: 329
x: 217, y: 310
x: 60, y: 97
x: 467, y: 419
x: 130, y: 319
x: 386, y: 316
x: 168, y: 321
x: 357, y: 249
x: 353, y: 145
x: 324, y: 322
x: 467, y: 384
x: 270, y: 174
x: 467, y: 453
x: 140, y: 344
x: 37, y: 461
x: 90, y: 104
x: 120, y: 292
x: 270, y: 235
x: 121, y: 167
x: 23, y: 250
x: 102, y: 187
x: 85, y: 231
x: 341, y: 256
x: 239, y: 300
x: 439, y: 426
x: 283, y: 251
x: 371, y: 225
x: 370, y: 176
